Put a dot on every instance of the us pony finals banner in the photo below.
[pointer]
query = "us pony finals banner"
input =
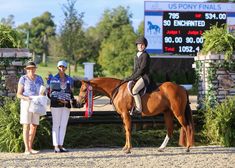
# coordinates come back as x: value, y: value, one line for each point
x: 89, y: 102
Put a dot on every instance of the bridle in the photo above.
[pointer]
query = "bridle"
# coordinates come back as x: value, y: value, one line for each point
x: 82, y: 98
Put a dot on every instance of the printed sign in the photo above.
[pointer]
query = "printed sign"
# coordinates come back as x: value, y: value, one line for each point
x: 176, y: 28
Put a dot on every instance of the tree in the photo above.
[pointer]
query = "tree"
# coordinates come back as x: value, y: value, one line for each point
x: 72, y: 36
x: 117, y: 42
x: 55, y: 47
x: 92, y: 50
x: 24, y: 33
x: 117, y: 51
x: 140, y: 30
x: 92, y: 38
x: 40, y: 30
x: 9, y: 21
x: 112, y: 19
x: 9, y: 37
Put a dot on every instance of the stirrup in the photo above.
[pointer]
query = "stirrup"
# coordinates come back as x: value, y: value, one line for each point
x: 135, y: 112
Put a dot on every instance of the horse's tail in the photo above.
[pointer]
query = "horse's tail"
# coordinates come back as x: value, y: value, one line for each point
x: 189, y: 127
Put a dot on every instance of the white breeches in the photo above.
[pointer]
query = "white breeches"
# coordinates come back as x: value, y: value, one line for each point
x: 60, y: 118
x: 136, y: 89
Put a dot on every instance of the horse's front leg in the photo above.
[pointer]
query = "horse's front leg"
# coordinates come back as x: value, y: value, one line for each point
x: 168, y: 118
x: 127, y: 125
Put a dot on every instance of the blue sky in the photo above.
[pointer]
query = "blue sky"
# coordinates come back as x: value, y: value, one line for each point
x: 25, y: 10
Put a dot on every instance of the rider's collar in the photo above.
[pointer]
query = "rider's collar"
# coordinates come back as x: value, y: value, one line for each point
x: 139, y: 53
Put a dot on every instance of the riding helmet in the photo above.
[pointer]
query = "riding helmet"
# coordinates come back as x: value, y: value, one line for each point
x: 142, y: 40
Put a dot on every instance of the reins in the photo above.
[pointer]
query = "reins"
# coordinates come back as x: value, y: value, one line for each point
x: 98, y: 97
x: 113, y: 95
x: 115, y: 92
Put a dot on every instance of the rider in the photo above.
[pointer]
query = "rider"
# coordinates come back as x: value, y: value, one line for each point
x: 141, y: 72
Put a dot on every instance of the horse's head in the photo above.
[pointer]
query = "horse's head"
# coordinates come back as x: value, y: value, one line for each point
x: 103, y: 85
x: 81, y: 100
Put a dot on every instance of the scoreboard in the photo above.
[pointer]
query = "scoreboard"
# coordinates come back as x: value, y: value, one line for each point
x: 176, y: 28
x: 183, y: 30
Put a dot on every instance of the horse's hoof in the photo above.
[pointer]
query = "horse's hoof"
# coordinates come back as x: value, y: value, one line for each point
x: 187, y: 150
x: 160, y: 149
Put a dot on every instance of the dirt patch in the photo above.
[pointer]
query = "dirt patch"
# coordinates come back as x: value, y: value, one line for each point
x: 201, y: 156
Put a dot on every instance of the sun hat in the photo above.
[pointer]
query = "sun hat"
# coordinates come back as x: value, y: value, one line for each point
x: 62, y: 63
x: 30, y: 64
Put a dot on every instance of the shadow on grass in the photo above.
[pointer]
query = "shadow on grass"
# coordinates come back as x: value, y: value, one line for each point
x: 113, y: 135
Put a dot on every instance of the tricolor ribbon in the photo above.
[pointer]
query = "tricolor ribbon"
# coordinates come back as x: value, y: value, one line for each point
x: 89, y: 102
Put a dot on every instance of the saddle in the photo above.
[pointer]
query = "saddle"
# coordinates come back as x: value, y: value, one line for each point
x: 147, y: 89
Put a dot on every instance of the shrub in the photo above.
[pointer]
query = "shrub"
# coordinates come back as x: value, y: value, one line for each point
x: 219, y: 41
x: 11, y: 137
x: 219, y: 124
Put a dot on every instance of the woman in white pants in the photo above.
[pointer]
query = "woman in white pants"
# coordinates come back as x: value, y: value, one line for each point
x: 60, y: 94
x: 29, y: 85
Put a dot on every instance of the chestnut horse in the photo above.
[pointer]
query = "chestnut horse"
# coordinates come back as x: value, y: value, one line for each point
x: 170, y: 99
